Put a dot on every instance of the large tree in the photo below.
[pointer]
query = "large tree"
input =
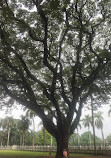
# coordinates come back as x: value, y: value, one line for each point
x: 51, y: 52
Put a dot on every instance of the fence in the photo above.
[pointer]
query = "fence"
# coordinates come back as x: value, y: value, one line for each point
x: 72, y: 149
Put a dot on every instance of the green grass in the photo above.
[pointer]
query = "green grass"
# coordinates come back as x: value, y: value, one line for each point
x: 13, y: 153
x: 80, y: 155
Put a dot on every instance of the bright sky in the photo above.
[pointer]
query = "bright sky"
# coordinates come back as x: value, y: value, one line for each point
x: 106, y: 122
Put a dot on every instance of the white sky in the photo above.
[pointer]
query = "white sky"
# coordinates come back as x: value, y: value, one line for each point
x: 106, y: 122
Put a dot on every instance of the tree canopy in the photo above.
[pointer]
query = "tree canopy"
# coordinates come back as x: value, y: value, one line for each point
x: 51, y: 55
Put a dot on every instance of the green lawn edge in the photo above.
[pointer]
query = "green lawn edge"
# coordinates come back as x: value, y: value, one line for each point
x: 13, y: 153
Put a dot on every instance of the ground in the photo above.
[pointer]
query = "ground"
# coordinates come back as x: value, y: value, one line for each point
x: 53, y: 157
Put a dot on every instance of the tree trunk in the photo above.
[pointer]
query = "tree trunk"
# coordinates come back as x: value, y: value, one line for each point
x: 89, y: 137
x: 103, y: 137
x: 23, y: 139
x: 2, y: 138
x: 1, y: 142
x: 8, y: 137
x: 62, y: 143
x: 33, y: 139
x: 92, y: 111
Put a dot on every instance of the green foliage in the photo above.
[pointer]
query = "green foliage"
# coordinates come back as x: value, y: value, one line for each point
x: 108, y: 139
x: 99, y: 120
x: 84, y: 139
x: 87, y: 121
x: 73, y: 139
x: 24, y: 123
x: 39, y: 138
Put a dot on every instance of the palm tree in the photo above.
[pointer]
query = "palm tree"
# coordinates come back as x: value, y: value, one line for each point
x: 31, y: 114
x: 2, y: 126
x: 23, y: 126
x: 6, y: 123
x: 99, y: 123
x: 93, y: 125
x: 87, y: 123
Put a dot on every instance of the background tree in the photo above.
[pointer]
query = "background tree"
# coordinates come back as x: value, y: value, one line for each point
x: 73, y: 141
x: 2, y: 127
x: 99, y: 124
x: 40, y: 140
x: 7, y: 123
x: 23, y: 125
x: 43, y: 131
x: 108, y: 139
x: 31, y: 114
x: 85, y: 139
x: 14, y: 133
x: 51, y: 52
x: 78, y: 136
x: 87, y: 122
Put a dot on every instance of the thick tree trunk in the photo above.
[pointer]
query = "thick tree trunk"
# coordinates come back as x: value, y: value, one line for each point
x: 62, y: 143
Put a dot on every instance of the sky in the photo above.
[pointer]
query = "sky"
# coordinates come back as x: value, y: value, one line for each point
x: 16, y: 113
x: 106, y: 121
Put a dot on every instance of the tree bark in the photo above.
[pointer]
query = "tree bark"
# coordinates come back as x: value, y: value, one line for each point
x: 62, y: 143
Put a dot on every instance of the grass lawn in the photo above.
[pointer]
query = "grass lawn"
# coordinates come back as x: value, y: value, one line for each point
x: 12, y: 153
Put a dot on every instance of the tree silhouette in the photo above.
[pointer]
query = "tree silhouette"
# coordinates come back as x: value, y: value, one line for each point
x: 51, y: 53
